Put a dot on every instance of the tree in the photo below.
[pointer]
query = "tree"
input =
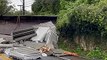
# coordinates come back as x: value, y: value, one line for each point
x: 18, y: 13
x: 48, y: 6
x: 3, y: 7
x: 84, y: 21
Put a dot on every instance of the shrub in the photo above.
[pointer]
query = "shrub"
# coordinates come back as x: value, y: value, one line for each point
x: 85, y: 23
x: 43, y: 7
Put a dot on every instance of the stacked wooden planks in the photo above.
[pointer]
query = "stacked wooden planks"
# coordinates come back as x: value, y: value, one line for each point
x: 23, y: 34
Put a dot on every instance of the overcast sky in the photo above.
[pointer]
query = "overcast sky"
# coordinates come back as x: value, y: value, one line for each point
x: 28, y: 4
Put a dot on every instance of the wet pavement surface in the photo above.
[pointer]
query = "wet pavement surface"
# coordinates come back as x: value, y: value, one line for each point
x: 56, y: 58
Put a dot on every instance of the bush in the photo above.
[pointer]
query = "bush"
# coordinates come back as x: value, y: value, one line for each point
x: 85, y: 24
x: 97, y: 54
x: 43, y: 7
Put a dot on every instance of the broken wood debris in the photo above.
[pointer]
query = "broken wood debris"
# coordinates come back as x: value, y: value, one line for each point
x: 24, y: 45
x: 23, y: 34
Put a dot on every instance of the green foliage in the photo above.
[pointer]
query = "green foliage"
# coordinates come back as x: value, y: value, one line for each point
x: 49, y: 6
x: 83, y: 19
x: 18, y: 13
x: 3, y: 7
x: 92, y: 1
x: 97, y: 54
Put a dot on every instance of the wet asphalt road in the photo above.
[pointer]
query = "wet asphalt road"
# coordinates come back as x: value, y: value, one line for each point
x: 56, y: 58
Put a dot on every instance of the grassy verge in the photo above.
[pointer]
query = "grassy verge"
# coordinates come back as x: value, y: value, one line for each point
x: 97, y: 54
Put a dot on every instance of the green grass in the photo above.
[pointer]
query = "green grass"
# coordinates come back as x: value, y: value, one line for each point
x: 97, y: 54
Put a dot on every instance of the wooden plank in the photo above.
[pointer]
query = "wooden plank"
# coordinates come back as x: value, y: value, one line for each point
x: 21, y: 31
x: 25, y: 37
x: 6, y: 45
x: 23, y: 34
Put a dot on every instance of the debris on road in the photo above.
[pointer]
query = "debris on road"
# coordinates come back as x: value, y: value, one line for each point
x: 36, y: 43
x: 23, y: 34
x: 70, y: 53
x: 23, y: 53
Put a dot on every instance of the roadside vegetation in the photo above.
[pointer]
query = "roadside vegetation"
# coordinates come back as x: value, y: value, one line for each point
x: 82, y: 24
x: 4, y: 8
